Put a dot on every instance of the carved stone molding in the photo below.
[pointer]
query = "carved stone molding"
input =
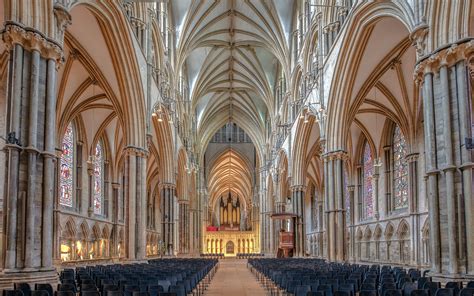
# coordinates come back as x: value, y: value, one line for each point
x: 334, y: 155
x: 296, y: 188
x: 31, y: 39
x: 418, y: 39
x: 136, y: 151
x: 63, y: 19
x: 448, y: 56
x: 170, y: 186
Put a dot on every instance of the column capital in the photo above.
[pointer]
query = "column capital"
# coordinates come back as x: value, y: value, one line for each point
x: 167, y: 186
x: 336, y: 154
x: 136, y: 151
x: 447, y: 56
x: 116, y: 185
x: 31, y: 39
x: 296, y: 188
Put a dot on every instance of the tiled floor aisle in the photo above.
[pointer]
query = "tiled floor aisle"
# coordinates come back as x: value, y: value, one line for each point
x: 233, y: 278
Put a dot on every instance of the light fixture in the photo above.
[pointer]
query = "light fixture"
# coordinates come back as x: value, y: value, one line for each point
x: 160, y: 118
x: 306, y: 119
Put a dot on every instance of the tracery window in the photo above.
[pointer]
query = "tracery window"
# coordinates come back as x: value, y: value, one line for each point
x: 368, y: 171
x: 66, y: 179
x: 400, y: 170
x: 98, y: 177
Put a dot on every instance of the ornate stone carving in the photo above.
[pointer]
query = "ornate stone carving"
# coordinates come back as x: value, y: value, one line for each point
x: 296, y: 188
x: 137, y: 151
x: 418, y: 39
x: 448, y: 56
x: 63, y: 19
x: 31, y: 39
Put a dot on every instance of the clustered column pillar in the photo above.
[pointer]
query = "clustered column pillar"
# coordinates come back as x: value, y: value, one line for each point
x: 297, y: 197
x: 335, y: 209
x: 449, y: 165
x: 168, y: 218
x: 135, y: 190
x: 183, y: 226
x: 31, y: 129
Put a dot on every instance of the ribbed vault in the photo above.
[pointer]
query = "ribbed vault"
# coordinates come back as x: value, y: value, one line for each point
x: 230, y: 51
x: 230, y: 171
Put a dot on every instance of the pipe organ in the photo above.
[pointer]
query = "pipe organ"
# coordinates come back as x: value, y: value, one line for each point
x: 229, y: 210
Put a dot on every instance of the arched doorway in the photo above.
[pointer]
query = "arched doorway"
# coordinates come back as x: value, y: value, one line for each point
x: 229, y: 247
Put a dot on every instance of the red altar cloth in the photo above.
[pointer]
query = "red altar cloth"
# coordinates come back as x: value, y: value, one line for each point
x: 212, y: 228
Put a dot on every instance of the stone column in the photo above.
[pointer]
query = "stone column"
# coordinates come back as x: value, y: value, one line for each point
x: 297, y: 197
x: 135, y: 190
x: 431, y: 171
x: 447, y: 131
x: 340, y: 209
x: 412, y: 160
x: 467, y: 163
x: 168, y: 221
x: 29, y: 148
x: 352, y: 222
x: 13, y: 149
x: 32, y: 152
x: 141, y: 198
x: 388, y: 180
x: 449, y: 170
x: 335, y: 205
x: 49, y: 164
x: 115, y: 217
x: 330, y: 206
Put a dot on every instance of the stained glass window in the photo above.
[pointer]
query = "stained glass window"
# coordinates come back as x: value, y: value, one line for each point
x: 66, y: 180
x: 368, y: 171
x: 98, y: 177
x: 400, y: 170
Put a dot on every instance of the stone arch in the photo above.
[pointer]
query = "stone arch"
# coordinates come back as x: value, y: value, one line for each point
x: 302, y: 139
x: 359, y: 27
x: 164, y: 140
x: 403, y: 235
x: 425, y: 243
x: 127, y: 72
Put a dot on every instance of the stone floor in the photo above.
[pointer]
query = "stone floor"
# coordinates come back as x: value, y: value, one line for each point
x: 233, y: 278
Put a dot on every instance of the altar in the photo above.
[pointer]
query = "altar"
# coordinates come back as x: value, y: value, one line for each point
x: 230, y: 243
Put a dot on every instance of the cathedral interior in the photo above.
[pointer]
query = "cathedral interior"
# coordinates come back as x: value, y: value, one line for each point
x: 218, y: 146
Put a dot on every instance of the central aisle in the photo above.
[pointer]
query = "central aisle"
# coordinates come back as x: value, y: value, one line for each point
x: 234, y: 278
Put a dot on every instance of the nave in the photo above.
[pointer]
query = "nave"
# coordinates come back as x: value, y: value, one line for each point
x: 145, y: 139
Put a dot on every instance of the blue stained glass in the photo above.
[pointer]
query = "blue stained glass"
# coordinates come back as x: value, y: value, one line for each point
x: 400, y: 170
x: 67, y: 168
x: 368, y: 171
x: 98, y: 178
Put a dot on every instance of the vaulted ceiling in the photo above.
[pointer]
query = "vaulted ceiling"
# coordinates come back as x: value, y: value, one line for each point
x: 231, y: 51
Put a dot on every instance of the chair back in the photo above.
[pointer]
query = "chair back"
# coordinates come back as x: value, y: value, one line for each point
x: 392, y: 292
x: 24, y: 287
x: 368, y: 293
x: 65, y: 293
x: 444, y: 292
x: 44, y: 287
x: 12, y: 293
x: 302, y: 290
x: 467, y: 292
